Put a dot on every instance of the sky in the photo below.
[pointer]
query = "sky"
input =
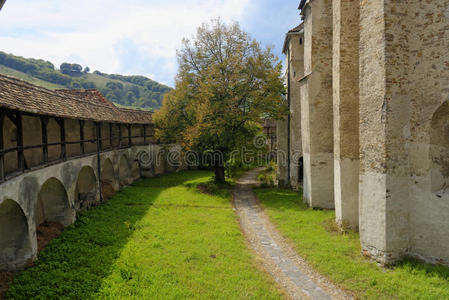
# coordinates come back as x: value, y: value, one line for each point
x: 133, y: 37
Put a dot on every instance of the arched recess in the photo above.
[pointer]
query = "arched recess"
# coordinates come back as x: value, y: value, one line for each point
x: 123, y: 171
x: 53, y: 212
x: 15, y: 246
x: 107, y: 179
x: 86, y: 188
x: 439, y: 150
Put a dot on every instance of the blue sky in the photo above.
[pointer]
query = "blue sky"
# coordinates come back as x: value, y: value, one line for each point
x: 133, y: 36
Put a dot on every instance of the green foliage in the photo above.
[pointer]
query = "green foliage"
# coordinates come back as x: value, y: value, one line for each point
x: 158, y: 239
x: 338, y: 256
x: 225, y: 84
x: 135, y: 91
x: 71, y: 69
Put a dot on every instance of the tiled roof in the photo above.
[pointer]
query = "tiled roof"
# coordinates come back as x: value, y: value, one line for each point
x: 296, y: 30
x: 76, y: 104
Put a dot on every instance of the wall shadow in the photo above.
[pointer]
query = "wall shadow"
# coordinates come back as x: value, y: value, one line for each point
x: 74, y: 265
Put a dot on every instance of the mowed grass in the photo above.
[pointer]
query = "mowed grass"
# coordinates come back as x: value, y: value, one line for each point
x: 338, y: 256
x: 158, y: 239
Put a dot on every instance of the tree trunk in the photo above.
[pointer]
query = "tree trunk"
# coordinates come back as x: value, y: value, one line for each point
x: 220, y: 174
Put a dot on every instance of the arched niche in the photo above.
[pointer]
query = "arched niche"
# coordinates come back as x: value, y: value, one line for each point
x: 439, y: 150
x: 86, y: 188
x: 124, y: 170
x: 15, y: 246
x: 107, y: 179
x: 53, y: 204
x: 53, y: 212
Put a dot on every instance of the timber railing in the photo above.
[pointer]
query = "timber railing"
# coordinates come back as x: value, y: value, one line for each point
x: 114, y: 139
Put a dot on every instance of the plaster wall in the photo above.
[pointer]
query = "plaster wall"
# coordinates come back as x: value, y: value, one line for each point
x: 282, y: 150
x: 72, y: 134
x: 346, y: 110
x: 404, y: 74
x: 10, y: 141
x: 317, y: 108
x: 24, y: 191
x: 296, y: 48
x: 53, y: 136
x: 32, y: 135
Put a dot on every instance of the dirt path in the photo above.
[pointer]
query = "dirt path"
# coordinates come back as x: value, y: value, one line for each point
x: 279, y: 259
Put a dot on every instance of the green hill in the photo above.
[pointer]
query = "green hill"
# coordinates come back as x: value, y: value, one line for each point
x: 131, y: 91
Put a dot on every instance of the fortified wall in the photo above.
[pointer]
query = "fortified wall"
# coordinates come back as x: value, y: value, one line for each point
x: 374, y: 119
x: 61, y: 152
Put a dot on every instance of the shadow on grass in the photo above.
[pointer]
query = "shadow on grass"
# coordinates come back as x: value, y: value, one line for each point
x: 74, y: 265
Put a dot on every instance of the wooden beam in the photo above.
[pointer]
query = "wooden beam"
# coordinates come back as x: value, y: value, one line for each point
x: 99, y: 146
x: 44, y: 123
x: 2, y: 156
x: 82, y: 136
x: 119, y: 135
x: 100, y: 142
x: 20, y: 155
x: 130, y: 140
x: 61, y: 124
x: 111, y: 141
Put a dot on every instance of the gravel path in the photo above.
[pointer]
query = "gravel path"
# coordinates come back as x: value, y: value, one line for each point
x: 278, y: 258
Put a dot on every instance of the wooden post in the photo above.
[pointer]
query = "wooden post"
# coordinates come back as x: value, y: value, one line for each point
x: 98, y: 138
x: 82, y: 136
x: 44, y: 123
x: 130, y: 142
x: 20, y: 155
x: 120, y: 135
x: 110, y: 136
x: 2, y: 157
x: 16, y: 118
x: 61, y: 124
x: 144, y: 134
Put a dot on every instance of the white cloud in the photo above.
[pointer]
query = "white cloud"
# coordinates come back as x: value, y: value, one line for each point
x: 88, y: 32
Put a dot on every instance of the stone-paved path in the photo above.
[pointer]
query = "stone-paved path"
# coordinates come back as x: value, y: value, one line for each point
x: 277, y: 257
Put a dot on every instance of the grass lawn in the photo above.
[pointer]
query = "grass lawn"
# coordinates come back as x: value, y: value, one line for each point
x: 158, y: 239
x: 338, y: 256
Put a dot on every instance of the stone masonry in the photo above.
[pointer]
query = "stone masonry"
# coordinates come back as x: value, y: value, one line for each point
x: 374, y: 102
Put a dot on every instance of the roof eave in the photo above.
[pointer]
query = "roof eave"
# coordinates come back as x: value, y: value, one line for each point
x: 2, y: 2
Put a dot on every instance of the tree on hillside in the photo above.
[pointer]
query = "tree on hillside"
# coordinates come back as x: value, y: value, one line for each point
x: 71, y: 69
x: 225, y: 83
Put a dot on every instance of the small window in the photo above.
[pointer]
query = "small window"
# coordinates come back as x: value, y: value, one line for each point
x: 300, y: 41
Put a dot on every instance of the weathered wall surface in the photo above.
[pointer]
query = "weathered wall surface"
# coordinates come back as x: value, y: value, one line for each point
x: 296, y: 49
x: 282, y: 150
x: 404, y: 74
x: 428, y: 96
x: 317, y: 109
x: 346, y: 110
x: 31, y: 198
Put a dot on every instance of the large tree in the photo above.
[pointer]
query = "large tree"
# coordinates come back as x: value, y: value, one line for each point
x: 225, y: 84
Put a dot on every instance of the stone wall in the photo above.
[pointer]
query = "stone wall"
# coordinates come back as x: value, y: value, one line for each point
x: 317, y: 108
x: 346, y: 110
x: 296, y: 50
x: 386, y: 138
